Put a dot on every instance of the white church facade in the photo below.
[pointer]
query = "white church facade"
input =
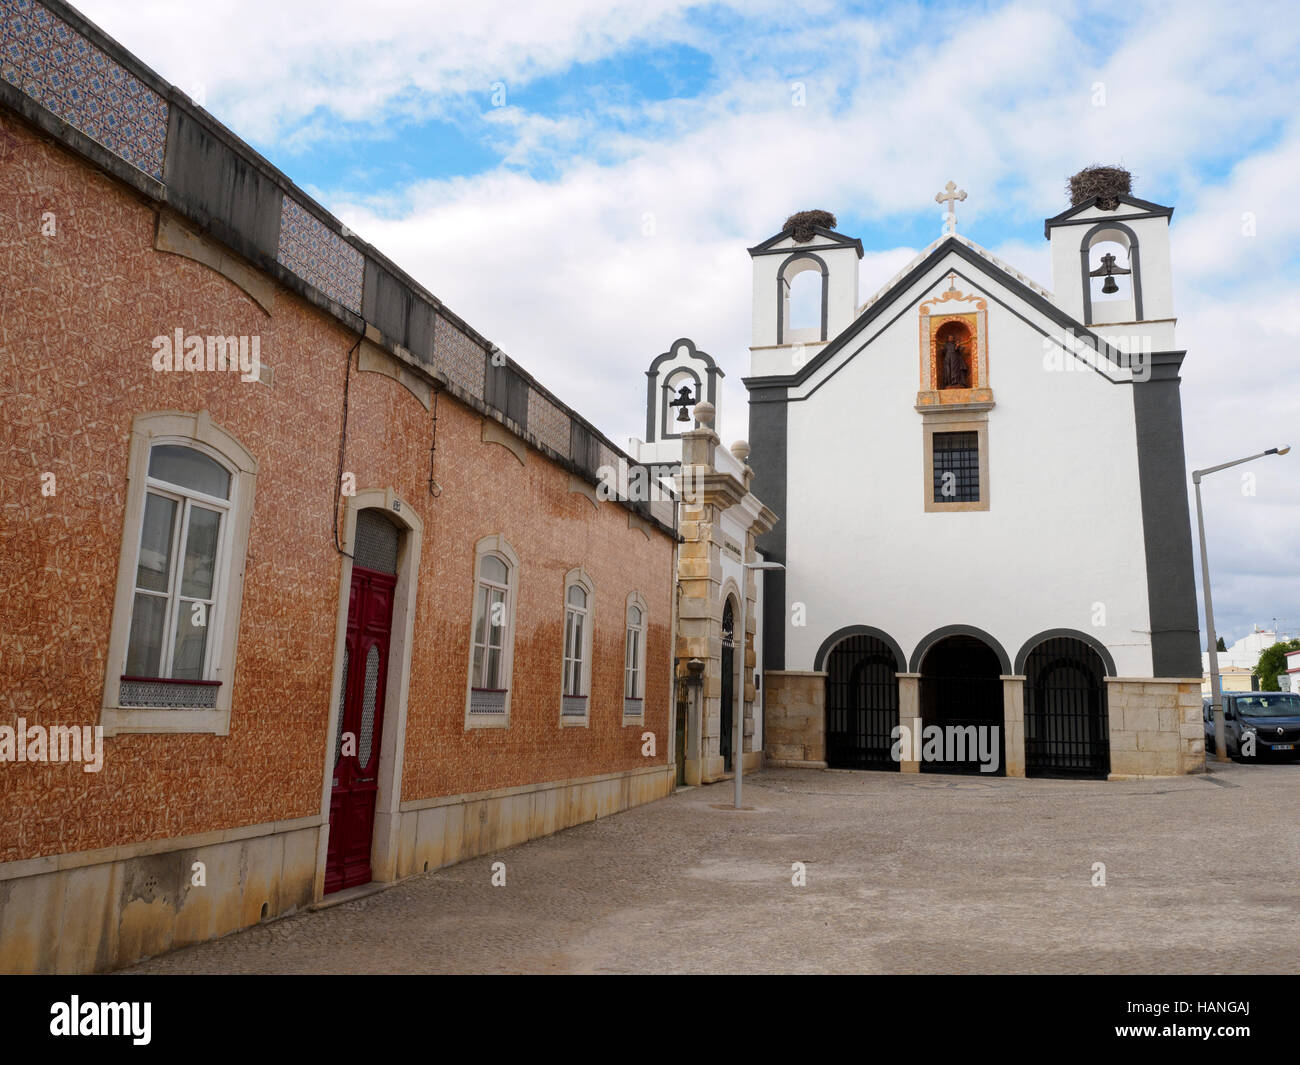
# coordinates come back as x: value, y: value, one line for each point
x: 982, y: 499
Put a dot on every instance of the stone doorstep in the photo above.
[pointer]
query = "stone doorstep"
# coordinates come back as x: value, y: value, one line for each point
x: 361, y: 891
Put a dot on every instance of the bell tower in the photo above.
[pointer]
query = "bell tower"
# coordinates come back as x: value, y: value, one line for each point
x: 1110, y: 258
x: 808, y: 255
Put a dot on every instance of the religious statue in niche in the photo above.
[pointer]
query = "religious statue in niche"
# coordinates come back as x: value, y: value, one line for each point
x: 954, y: 365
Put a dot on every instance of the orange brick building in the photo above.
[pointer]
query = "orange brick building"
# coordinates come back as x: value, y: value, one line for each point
x: 348, y: 611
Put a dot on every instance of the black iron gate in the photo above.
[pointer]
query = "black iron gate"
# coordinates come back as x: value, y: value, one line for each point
x: 861, y: 704
x: 961, y: 693
x: 1066, y: 727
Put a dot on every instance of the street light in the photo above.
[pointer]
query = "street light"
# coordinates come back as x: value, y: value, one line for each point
x: 738, y: 739
x: 1216, y: 694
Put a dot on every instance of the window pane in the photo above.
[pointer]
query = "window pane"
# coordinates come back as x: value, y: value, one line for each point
x: 577, y: 637
x: 492, y: 679
x: 480, y: 614
x: 144, y: 651
x: 577, y: 596
x: 200, y: 553
x: 634, y: 616
x: 191, y: 640
x: 493, y: 569
x: 476, y: 671
x: 156, y: 543
x: 184, y: 466
x: 496, y: 617
x: 956, y: 468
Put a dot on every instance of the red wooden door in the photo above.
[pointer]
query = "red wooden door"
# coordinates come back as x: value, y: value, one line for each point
x: 356, y: 740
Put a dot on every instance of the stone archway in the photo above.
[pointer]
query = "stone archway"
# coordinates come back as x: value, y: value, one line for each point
x: 961, y: 692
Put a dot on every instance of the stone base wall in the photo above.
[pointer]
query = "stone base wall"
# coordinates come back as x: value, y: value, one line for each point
x: 437, y: 832
x: 794, y: 718
x: 1155, y: 727
x: 98, y: 910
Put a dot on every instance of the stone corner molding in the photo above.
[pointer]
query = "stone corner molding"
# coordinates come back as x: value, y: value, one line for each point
x: 494, y: 433
x: 373, y: 359
x: 174, y: 238
x: 582, y: 488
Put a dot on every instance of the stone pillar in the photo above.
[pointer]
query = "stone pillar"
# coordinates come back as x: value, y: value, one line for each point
x: 795, y: 729
x: 909, y: 716
x: 1013, y: 724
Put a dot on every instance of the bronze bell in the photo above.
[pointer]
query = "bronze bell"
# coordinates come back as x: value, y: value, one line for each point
x: 1108, y: 270
x: 682, y: 403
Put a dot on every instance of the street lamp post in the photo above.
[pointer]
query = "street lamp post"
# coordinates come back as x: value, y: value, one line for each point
x: 1216, y: 694
x: 738, y: 729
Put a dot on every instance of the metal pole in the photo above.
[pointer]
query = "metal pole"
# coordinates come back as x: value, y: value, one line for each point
x: 738, y: 721
x: 1216, y: 695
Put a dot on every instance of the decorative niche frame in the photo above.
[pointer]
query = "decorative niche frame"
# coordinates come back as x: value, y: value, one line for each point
x: 941, y: 315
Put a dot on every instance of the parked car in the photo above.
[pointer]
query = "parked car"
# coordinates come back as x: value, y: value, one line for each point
x: 1207, y: 717
x: 1273, y: 718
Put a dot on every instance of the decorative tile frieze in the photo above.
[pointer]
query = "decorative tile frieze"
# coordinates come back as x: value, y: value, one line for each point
x: 548, y: 422
x: 76, y: 82
x: 320, y: 256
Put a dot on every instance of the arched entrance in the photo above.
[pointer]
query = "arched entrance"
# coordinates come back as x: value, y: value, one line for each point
x: 961, y: 692
x: 861, y: 704
x: 728, y: 682
x: 1067, y: 732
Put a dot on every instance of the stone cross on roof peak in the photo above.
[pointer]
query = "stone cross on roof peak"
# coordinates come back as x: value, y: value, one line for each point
x: 952, y: 195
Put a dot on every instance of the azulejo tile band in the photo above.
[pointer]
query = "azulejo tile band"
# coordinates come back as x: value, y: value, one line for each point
x: 320, y: 256
x: 75, y: 81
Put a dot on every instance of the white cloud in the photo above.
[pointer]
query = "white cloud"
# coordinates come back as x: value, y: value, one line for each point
x: 560, y: 272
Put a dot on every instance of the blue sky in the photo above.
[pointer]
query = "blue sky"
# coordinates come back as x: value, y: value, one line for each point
x: 603, y: 209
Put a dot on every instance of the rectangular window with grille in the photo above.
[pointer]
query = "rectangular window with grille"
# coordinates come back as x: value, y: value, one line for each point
x: 956, y: 467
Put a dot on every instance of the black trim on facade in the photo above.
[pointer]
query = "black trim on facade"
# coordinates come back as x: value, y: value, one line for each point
x: 768, y: 457
x: 838, y: 240
x: 928, y: 641
x: 1068, y: 216
x: 1166, y: 521
x: 1103, y: 652
x: 828, y: 644
x: 1085, y: 246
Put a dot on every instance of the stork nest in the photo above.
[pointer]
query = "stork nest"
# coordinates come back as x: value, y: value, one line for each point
x: 1107, y: 183
x: 804, y: 224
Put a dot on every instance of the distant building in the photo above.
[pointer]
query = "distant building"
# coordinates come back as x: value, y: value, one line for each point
x: 1237, y: 663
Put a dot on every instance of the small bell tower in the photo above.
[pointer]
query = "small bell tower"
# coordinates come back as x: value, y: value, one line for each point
x: 1110, y: 257
x: 808, y: 249
x: 678, y: 379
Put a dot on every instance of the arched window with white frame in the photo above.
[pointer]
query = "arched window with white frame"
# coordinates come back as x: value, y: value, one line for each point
x: 492, y: 633
x: 575, y: 695
x: 180, y: 571
x: 634, y: 660
x: 180, y: 577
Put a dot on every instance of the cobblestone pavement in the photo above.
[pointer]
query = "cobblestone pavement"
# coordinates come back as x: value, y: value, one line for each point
x: 904, y: 874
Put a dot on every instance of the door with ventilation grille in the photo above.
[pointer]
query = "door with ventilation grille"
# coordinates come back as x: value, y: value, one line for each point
x: 360, y: 721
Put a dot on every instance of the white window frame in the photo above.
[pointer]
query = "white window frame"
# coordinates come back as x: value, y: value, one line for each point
x: 634, y: 663
x: 577, y: 578
x: 177, y: 603
x: 494, y: 546
x: 196, y: 431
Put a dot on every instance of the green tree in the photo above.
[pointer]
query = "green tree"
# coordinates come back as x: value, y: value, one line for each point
x: 1272, y: 662
x: 1221, y: 646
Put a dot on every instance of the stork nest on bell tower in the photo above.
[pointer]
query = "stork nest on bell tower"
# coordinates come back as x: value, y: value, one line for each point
x: 804, y: 224
x: 1107, y: 183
